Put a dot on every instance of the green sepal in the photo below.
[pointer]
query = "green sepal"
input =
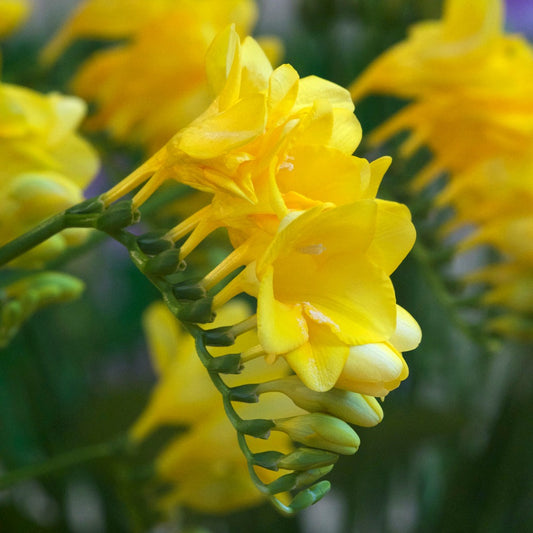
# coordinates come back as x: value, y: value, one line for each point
x: 87, y: 207
x: 153, y: 242
x: 307, y: 458
x: 283, y: 483
x: 226, y: 364
x: 268, y: 460
x: 117, y: 216
x: 164, y: 263
x: 244, y: 393
x: 222, y: 336
x: 186, y: 290
x: 259, y: 427
x: 197, y: 312
x: 310, y: 496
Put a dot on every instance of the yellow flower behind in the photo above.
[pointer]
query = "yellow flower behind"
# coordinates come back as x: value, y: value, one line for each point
x: 12, y: 14
x: 154, y: 83
x: 205, y: 464
x: 472, y: 86
x: 44, y: 165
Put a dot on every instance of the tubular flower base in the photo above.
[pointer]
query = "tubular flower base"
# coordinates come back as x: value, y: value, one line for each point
x: 142, y: 92
x: 472, y: 87
x: 44, y: 166
x: 310, y: 242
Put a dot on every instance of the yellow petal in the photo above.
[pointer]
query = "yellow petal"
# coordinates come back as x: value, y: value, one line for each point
x: 213, y: 136
x: 313, y: 88
x: 223, y: 65
x: 319, y: 362
x: 371, y: 369
x: 408, y: 334
x: 282, y: 91
x: 323, y: 174
x: 280, y: 327
x: 256, y: 68
x: 466, y: 19
x: 163, y: 334
x: 394, y: 236
x: 378, y: 168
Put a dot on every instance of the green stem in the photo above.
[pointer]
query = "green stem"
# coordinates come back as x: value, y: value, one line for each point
x: 32, y: 238
x: 64, y: 461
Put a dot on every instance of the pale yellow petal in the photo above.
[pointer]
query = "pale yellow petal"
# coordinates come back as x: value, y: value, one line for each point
x: 408, y: 334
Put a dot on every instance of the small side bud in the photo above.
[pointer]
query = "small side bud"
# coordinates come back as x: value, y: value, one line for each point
x: 318, y: 430
x: 306, y: 458
x: 197, y: 312
x: 310, y: 496
x: 259, y: 427
x: 164, y: 263
x: 118, y: 216
x: 153, y: 242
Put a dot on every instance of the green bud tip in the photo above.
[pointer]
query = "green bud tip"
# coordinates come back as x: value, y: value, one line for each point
x: 153, y: 242
x: 310, y: 496
x: 197, y: 311
x: 164, y: 263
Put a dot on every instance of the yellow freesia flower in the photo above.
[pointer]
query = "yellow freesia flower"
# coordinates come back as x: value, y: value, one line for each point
x: 44, y: 165
x: 472, y: 86
x: 261, y: 148
x: 12, y: 14
x: 144, y: 92
x: 323, y: 285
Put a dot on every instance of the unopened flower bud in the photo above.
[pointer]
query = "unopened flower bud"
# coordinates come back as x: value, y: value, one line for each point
x: 349, y: 406
x: 310, y: 496
x: 153, y: 242
x: 321, y: 431
x: 117, y: 216
x: 164, y: 263
x: 306, y: 458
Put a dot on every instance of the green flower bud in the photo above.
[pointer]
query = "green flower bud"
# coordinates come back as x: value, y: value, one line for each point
x: 349, y: 406
x: 222, y: 336
x: 268, y: 460
x: 198, y: 311
x: 310, y: 496
x: 226, y: 364
x: 153, y: 242
x: 258, y: 427
x: 244, y: 393
x: 306, y: 458
x: 321, y: 431
x: 117, y: 216
x: 188, y: 291
x: 164, y: 263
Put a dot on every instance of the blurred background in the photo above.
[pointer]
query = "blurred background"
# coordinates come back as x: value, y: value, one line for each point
x: 454, y: 452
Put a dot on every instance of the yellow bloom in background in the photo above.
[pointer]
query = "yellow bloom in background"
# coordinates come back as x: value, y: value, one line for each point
x: 154, y: 83
x: 44, y: 165
x: 205, y: 465
x: 12, y: 15
x: 472, y: 86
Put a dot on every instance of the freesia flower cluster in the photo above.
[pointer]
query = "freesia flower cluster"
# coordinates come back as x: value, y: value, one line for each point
x: 311, y: 243
x: 471, y: 87
x: 317, y: 246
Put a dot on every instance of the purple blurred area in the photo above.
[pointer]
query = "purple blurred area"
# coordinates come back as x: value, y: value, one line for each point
x: 520, y: 16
